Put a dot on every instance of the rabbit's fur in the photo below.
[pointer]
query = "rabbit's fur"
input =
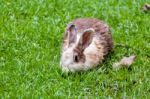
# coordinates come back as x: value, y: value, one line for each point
x: 86, y: 42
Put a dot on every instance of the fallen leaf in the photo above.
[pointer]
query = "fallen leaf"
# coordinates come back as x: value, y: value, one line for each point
x: 146, y: 7
x: 124, y: 62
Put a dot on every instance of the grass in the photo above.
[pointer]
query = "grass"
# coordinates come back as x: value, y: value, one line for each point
x: 31, y: 33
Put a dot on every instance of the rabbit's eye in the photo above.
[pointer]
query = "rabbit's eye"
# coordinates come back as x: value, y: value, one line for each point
x: 76, y: 59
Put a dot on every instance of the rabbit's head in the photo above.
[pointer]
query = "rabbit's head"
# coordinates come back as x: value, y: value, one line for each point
x: 74, y: 45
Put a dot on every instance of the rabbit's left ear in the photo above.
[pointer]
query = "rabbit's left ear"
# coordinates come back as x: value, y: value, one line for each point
x: 71, y: 34
x: 85, y: 39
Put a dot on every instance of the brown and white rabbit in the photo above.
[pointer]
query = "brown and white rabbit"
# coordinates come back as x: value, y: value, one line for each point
x: 86, y: 42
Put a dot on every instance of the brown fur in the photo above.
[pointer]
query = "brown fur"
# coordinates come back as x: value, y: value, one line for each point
x: 102, y: 31
x: 80, y: 54
x: 86, y: 42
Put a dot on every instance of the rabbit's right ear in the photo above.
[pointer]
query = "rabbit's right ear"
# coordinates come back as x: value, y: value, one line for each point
x: 85, y: 39
x: 71, y: 35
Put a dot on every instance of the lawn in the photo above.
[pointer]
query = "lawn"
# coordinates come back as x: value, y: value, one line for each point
x: 31, y: 34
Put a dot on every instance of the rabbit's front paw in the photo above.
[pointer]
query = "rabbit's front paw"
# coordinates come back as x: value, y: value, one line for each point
x: 65, y: 69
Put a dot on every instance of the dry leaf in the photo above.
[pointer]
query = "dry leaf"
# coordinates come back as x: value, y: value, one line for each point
x: 146, y: 7
x: 124, y: 62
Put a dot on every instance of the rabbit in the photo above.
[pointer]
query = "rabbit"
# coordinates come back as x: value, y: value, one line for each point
x: 86, y: 42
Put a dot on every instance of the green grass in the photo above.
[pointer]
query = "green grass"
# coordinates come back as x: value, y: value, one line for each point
x: 31, y: 33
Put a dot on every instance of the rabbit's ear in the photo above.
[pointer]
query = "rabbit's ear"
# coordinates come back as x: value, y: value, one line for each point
x: 85, y: 39
x: 71, y: 34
